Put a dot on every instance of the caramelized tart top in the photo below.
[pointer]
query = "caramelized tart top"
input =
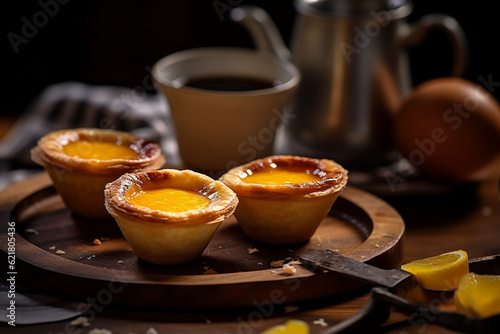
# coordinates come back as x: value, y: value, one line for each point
x: 170, y: 196
x: 97, y: 151
x: 283, y: 176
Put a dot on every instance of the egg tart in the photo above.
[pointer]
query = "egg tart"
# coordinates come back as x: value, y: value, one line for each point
x: 82, y: 161
x: 168, y: 216
x: 283, y: 199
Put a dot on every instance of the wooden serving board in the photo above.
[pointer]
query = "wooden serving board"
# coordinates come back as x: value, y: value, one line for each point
x: 360, y: 225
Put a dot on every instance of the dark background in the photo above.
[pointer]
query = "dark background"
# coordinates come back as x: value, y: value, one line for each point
x: 116, y: 42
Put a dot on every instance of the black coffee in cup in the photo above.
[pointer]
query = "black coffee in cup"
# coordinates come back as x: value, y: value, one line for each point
x: 229, y: 83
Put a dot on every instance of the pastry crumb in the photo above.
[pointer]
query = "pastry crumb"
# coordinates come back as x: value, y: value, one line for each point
x: 210, y: 272
x: 52, y: 248
x: 31, y: 230
x: 100, y: 331
x: 120, y: 261
x: 60, y: 252
x: 81, y: 321
x: 289, y: 269
x: 252, y: 250
x: 277, y: 264
x: 320, y: 322
x: 151, y: 330
x: 96, y: 242
x: 289, y: 309
x: 286, y: 268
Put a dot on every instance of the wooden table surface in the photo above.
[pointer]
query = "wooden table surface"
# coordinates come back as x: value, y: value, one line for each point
x: 467, y: 218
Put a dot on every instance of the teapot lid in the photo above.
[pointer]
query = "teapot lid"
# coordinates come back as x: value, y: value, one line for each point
x: 353, y: 8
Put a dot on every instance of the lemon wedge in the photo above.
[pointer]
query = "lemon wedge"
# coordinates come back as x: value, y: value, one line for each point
x: 442, y: 272
x: 290, y: 327
x: 478, y: 295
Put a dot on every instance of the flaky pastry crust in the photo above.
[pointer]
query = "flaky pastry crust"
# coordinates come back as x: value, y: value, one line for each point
x: 223, y: 201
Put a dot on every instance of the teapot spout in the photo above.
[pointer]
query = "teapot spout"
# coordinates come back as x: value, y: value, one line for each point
x: 262, y: 29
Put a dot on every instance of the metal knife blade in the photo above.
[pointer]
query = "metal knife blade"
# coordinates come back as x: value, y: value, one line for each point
x: 368, y: 274
x: 485, y: 265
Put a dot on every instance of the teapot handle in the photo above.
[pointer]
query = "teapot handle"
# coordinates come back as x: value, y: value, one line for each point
x: 451, y: 28
x: 262, y: 29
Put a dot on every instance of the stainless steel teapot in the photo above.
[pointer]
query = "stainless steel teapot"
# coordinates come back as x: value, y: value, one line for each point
x: 354, y: 65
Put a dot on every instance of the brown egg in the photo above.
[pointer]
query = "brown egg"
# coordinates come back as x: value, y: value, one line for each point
x: 450, y: 128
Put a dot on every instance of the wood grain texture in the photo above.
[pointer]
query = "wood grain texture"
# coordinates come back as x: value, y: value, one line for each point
x: 360, y: 225
x: 466, y: 219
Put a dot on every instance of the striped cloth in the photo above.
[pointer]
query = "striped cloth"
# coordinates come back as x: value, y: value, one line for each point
x: 74, y: 104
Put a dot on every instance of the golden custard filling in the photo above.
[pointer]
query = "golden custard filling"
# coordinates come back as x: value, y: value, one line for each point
x: 99, y: 150
x: 271, y: 175
x: 167, y: 199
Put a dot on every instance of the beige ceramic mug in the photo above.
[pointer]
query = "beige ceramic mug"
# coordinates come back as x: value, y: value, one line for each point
x: 226, y: 104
